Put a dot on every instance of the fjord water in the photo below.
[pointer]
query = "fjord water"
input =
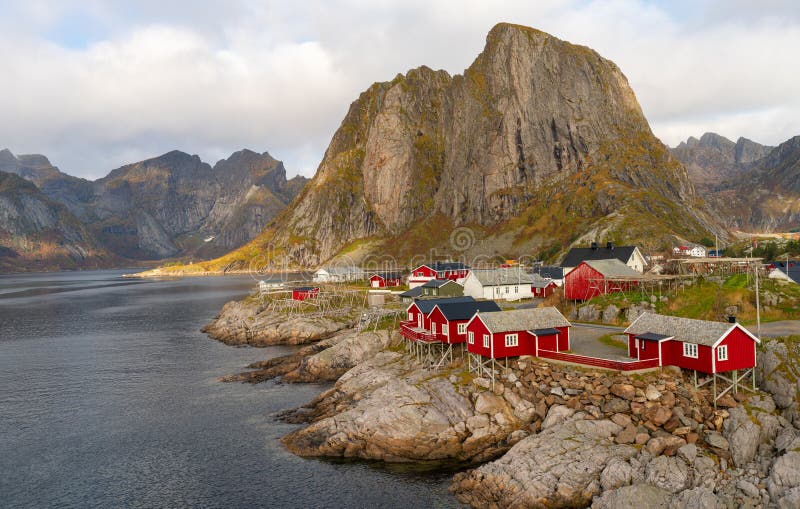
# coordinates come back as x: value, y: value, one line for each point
x: 109, y: 398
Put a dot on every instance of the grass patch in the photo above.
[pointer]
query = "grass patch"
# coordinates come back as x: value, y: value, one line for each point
x: 609, y: 340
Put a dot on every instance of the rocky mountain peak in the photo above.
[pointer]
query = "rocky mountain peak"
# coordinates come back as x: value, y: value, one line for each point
x: 748, y: 151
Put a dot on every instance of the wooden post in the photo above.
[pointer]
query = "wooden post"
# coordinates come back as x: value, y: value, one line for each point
x: 695, y: 379
x: 735, y: 381
x: 715, y: 390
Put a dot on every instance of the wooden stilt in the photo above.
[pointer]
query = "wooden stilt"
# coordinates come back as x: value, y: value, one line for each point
x: 715, y: 390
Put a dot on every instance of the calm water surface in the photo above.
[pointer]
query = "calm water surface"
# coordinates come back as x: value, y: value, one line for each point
x: 109, y: 398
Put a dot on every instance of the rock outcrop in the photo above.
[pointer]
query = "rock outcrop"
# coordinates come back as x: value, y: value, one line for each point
x: 248, y: 322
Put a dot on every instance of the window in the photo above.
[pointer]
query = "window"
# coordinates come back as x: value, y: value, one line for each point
x: 462, y: 328
x: 643, y: 344
x: 410, y: 316
x: 722, y: 353
x: 516, y: 289
x: 512, y: 339
x: 433, y: 327
x: 508, y: 289
x: 471, y: 338
x: 690, y: 350
x: 486, y: 341
x: 636, y: 343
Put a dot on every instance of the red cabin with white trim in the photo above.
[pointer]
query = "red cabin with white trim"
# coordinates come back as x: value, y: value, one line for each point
x: 450, y: 318
x: 305, y: 292
x: 501, y: 334
x: 385, y: 279
x: 701, y: 345
x: 454, y: 271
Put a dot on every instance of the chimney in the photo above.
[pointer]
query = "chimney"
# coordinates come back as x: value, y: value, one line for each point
x: 610, y: 245
x: 594, y: 246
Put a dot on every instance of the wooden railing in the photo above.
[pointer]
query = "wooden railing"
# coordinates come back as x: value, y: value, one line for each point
x: 597, y: 362
x: 420, y: 335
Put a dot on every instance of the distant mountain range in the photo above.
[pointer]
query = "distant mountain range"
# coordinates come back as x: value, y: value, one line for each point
x: 169, y: 206
x: 747, y: 186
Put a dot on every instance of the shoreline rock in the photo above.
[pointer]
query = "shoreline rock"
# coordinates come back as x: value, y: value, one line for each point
x: 248, y: 322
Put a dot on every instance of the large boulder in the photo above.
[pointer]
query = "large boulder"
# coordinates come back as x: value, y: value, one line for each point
x: 669, y: 473
x: 784, y: 476
x: 743, y: 436
x: 331, y: 363
x: 637, y: 495
x: 249, y: 322
x: 559, y: 467
x: 389, y: 409
x: 778, y: 370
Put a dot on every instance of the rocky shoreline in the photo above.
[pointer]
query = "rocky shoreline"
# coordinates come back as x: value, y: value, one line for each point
x: 546, y: 435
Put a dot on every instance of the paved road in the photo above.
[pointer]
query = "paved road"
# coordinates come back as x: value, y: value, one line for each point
x: 583, y: 340
x: 776, y: 329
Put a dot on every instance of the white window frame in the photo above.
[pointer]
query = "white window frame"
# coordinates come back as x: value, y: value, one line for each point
x: 433, y: 327
x: 642, y: 344
x: 722, y: 353
x: 690, y: 350
x: 516, y: 289
x: 512, y: 340
x: 410, y: 316
x: 462, y: 328
x: 486, y: 342
x: 471, y: 337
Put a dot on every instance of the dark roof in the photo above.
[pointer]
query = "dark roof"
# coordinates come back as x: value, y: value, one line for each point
x: 651, y: 336
x: 306, y: 288
x: 576, y: 255
x: 546, y: 332
x: 414, y: 292
x: 793, y: 272
x: 427, y: 305
x: 440, y: 266
x: 388, y: 275
x: 436, y: 283
x: 550, y: 272
x: 465, y: 310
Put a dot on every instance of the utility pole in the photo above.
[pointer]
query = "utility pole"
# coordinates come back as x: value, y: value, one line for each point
x: 758, y: 307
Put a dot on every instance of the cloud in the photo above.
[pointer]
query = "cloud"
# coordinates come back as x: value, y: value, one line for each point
x: 97, y: 84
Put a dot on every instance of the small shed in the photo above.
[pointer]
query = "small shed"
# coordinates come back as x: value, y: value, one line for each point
x: 500, y: 334
x: 699, y: 345
x: 455, y: 271
x: 410, y: 295
x: 385, y: 279
x: 543, y: 288
x: 305, y: 292
x: 442, y: 288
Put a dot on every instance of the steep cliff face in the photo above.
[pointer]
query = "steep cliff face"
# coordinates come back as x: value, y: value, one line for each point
x: 537, y: 143
x: 36, y: 233
x: 714, y: 159
x: 766, y: 197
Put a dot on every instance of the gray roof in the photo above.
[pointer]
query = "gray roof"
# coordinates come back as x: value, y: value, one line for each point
x: 506, y: 276
x: 414, y: 292
x: 541, y: 283
x: 436, y: 283
x: 612, y: 268
x: 427, y: 305
x: 687, y: 330
x: 524, y: 319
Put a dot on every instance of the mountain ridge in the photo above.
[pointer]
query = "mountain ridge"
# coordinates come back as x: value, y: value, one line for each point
x: 538, y: 144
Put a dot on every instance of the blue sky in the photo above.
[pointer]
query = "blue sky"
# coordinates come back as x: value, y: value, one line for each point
x: 97, y: 84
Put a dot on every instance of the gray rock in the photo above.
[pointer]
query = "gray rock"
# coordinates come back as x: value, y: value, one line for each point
x: 616, y: 474
x: 556, y: 415
x: 696, y: 498
x: 743, y: 436
x: 748, y: 488
x: 688, y: 452
x: 668, y: 473
x: 610, y: 314
x: 560, y: 466
x: 637, y: 495
x: 790, y: 499
x: 714, y: 439
x: 588, y: 313
x: 784, y: 475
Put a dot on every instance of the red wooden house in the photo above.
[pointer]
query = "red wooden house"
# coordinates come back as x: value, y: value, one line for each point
x: 700, y: 345
x: 418, y: 312
x: 455, y: 271
x: 599, y: 277
x: 502, y: 334
x: 385, y: 279
x: 450, y: 318
x: 305, y: 292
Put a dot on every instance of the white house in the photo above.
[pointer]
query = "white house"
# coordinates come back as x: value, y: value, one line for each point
x: 694, y: 250
x: 337, y: 274
x: 503, y: 284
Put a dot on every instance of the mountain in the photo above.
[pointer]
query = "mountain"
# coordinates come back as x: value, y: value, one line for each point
x: 766, y: 197
x: 171, y: 205
x: 713, y: 158
x: 37, y: 233
x: 538, y: 145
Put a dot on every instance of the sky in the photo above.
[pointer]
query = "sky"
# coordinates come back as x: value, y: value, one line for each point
x: 96, y: 84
